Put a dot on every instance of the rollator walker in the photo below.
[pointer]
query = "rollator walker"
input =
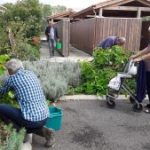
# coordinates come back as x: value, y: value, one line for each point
x: 118, y: 84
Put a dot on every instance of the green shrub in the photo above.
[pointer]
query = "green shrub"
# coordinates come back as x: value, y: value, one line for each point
x: 55, y: 77
x: 23, y: 20
x: 8, y: 98
x: 96, y: 75
x: 10, y: 139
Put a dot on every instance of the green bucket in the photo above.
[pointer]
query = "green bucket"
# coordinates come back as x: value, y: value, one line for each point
x: 58, y: 45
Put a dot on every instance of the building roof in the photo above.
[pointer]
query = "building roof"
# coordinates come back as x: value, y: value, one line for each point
x: 60, y: 16
x: 111, y: 3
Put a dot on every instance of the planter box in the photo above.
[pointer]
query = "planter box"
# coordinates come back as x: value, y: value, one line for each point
x: 55, y: 119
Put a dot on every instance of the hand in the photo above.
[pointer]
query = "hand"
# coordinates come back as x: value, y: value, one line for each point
x: 137, y: 59
x: 132, y: 57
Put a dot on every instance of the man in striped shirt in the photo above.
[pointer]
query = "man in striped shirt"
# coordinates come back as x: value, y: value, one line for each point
x: 33, y: 110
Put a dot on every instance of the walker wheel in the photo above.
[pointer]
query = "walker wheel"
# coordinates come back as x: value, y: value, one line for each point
x: 137, y: 107
x: 132, y: 100
x: 110, y: 102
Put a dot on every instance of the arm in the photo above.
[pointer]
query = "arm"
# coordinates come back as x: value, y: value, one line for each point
x: 56, y: 33
x: 46, y: 31
x: 141, y: 53
x: 7, y: 85
x: 145, y: 55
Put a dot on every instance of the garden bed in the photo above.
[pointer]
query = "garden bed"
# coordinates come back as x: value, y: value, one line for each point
x: 10, y: 139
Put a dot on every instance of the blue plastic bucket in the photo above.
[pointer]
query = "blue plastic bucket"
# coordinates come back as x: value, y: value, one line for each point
x: 55, y: 119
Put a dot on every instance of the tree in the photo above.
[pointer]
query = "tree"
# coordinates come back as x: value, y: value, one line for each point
x: 19, y: 23
x: 28, y: 11
x: 46, y: 11
x: 58, y: 9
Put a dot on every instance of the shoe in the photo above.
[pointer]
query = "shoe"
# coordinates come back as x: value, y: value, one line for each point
x: 48, y: 134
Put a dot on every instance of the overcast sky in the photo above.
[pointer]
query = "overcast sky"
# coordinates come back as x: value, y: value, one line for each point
x: 75, y: 4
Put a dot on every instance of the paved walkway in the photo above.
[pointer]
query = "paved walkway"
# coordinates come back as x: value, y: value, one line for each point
x: 90, y: 125
x: 75, y: 54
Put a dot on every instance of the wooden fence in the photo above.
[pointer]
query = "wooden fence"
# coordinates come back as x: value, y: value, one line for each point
x: 86, y: 34
x: 63, y: 27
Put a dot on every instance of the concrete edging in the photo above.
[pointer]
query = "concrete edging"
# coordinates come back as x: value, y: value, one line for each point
x: 91, y: 97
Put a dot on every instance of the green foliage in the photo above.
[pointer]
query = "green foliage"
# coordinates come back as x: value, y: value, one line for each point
x: 10, y: 139
x: 28, y: 52
x: 8, y: 98
x: 23, y: 20
x: 96, y: 75
x: 55, y: 78
x: 3, y: 59
x: 28, y: 11
x: 58, y: 9
x: 46, y: 11
x: 114, y: 57
x: 4, y: 45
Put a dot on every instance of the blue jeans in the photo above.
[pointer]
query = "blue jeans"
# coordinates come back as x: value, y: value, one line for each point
x: 14, y: 115
x: 52, y: 45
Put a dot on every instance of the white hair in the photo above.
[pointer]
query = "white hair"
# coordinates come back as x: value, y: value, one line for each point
x: 121, y: 40
x: 14, y: 65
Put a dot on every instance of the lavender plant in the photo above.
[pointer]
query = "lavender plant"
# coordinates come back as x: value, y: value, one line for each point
x: 55, y: 77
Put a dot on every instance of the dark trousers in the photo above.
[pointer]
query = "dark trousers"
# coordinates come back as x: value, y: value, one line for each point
x: 148, y: 84
x: 141, y: 82
x: 52, y: 45
x: 14, y: 115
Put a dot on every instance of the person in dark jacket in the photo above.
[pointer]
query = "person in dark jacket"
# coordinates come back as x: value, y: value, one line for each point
x: 52, y: 36
x: 143, y: 83
x: 111, y: 41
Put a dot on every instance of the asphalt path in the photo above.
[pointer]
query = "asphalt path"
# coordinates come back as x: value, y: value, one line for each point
x: 90, y: 125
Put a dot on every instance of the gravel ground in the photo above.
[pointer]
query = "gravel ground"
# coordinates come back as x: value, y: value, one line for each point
x: 90, y: 125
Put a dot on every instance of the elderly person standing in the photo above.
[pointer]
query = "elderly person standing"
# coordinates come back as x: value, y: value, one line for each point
x: 52, y: 36
x: 143, y: 82
x: 33, y: 111
x: 111, y: 41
